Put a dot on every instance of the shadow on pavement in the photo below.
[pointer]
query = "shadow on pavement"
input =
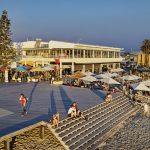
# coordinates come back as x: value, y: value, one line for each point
x: 31, y: 95
x: 52, y: 108
x: 99, y: 93
x: 65, y: 99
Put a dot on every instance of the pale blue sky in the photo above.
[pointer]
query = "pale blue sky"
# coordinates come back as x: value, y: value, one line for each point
x: 118, y: 23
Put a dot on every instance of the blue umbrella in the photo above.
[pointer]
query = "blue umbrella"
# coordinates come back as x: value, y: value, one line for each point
x: 22, y: 68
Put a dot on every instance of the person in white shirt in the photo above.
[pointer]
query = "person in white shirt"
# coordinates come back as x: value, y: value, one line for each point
x: 72, y: 112
x: 146, y: 110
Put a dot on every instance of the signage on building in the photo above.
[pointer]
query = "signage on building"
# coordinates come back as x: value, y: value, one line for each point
x: 57, y: 60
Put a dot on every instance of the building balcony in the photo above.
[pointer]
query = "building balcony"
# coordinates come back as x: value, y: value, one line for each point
x: 67, y: 59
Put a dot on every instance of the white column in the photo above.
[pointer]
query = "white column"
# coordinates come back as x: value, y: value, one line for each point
x: 93, y: 54
x: 114, y: 66
x: 100, y: 68
x: 73, y: 53
x: 114, y: 54
x: 92, y: 67
x: 42, y: 62
x: 107, y: 54
x: 72, y: 67
x: 101, y: 54
x: 83, y: 69
x: 61, y: 53
x: 60, y: 69
x: 34, y: 64
x: 6, y: 75
x: 84, y: 53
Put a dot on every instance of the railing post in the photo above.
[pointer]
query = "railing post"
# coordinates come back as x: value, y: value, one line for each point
x: 7, y: 145
x: 42, y: 132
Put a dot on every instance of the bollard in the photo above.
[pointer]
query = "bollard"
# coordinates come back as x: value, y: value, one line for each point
x: 42, y: 132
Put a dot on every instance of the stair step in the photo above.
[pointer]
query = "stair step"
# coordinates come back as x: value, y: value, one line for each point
x: 92, y: 108
x: 99, y: 141
x: 94, y: 128
x: 94, y: 116
x: 89, y: 123
x: 70, y: 122
x: 90, y: 138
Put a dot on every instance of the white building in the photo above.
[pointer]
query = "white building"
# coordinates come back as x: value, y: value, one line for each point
x: 75, y: 56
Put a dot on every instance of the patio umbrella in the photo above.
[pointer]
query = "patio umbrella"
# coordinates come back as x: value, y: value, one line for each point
x: 88, y: 73
x: 115, y: 74
x: 109, y: 81
x: 140, y: 87
x: 147, y: 82
x: 77, y: 75
x: 28, y: 66
x: 136, y: 77
x: 101, y: 76
x: 108, y: 74
x: 89, y: 79
x: 129, y: 78
x: 48, y: 68
x: 111, y: 75
x: 22, y: 68
x: 37, y: 69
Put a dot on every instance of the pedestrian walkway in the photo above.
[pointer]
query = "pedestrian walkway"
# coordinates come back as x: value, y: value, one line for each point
x: 44, y: 100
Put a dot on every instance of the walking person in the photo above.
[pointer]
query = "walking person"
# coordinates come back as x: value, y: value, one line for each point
x: 23, y: 102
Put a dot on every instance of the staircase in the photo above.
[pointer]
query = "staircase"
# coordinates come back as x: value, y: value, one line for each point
x: 79, y: 134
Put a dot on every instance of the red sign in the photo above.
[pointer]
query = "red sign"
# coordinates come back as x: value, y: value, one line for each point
x: 57, y: 61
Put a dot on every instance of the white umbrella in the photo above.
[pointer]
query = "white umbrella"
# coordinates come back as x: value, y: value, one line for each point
x: 101, y: 76
x: 147, y: 82
x: 136, y: 77
x: 117, y: 70
x: 109, y: 81
x: 88, y: 73
x: 89, y: 79
x: 108, y: 74
x: 129, y: 78
x: 111, y: 75
x: 115, y: 74
x: 48, y: 68
x: 140, y: 87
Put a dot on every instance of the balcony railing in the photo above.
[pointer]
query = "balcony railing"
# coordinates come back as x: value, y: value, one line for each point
x: 63, y: 57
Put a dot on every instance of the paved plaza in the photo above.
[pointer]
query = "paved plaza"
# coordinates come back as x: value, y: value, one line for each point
x: 44, y: 100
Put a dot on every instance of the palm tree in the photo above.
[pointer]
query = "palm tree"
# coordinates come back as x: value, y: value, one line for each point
x: 145, y: 48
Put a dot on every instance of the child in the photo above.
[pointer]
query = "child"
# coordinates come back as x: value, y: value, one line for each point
x: 55, y: 120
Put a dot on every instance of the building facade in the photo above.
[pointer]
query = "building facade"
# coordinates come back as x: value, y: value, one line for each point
x: 73, y: 56
x: 144, y: 59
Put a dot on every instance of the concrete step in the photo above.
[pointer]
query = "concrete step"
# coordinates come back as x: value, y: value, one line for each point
x: 96, y: 128
x: 64, y: 121
x: 89, y: 138
x: 95, y: 144
x: 100, y: 116
x: 70, y: 122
